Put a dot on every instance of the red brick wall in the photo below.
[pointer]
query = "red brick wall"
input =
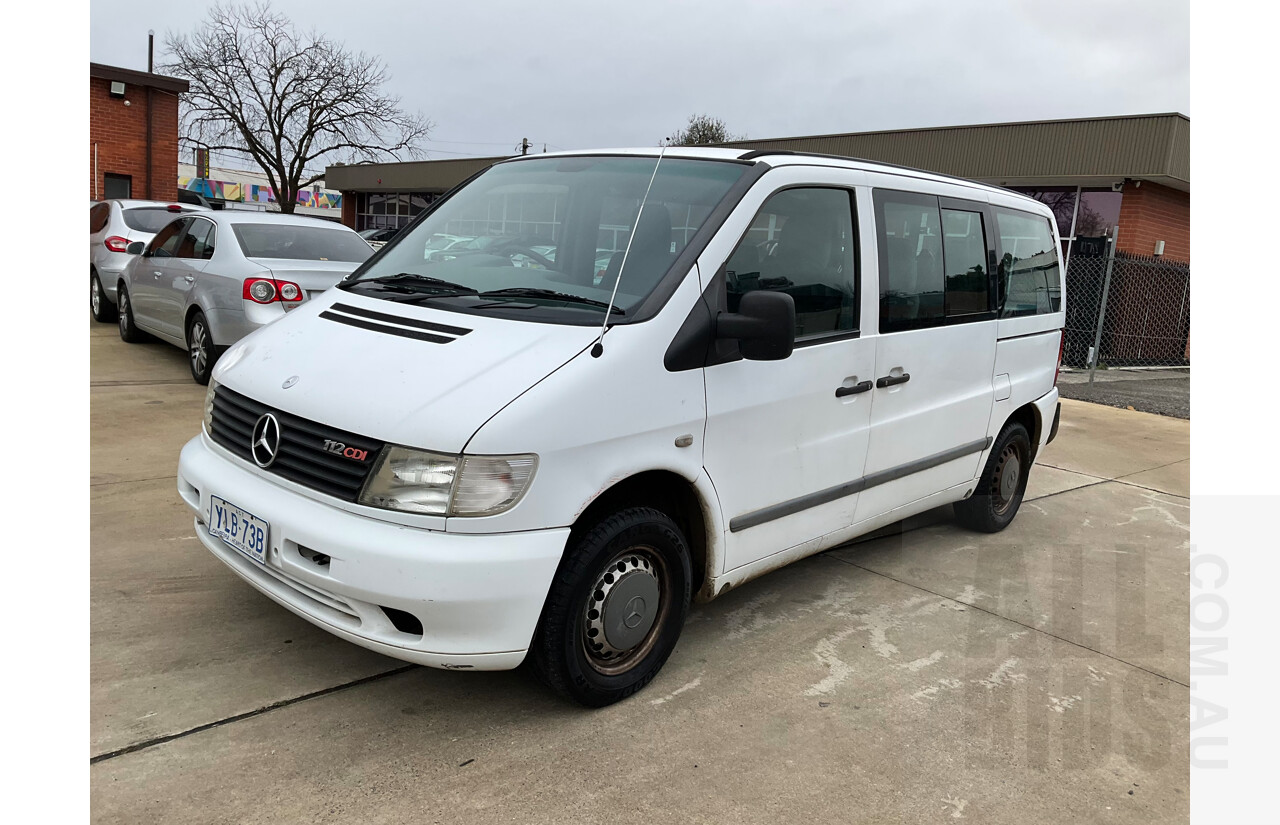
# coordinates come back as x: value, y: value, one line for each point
x: 1150, y: 213
x: 120, y: 133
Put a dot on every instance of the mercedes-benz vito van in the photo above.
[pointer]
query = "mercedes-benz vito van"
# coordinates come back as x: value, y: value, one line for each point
x: 518, y: 454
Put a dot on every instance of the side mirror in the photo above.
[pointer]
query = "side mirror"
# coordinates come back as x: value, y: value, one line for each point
x: 136, y: 247
x: 764, y: 326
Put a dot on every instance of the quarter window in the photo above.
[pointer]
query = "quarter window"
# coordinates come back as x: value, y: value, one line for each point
x: 1030, y: 276
x: 964, y: 253
x: 801, y: 242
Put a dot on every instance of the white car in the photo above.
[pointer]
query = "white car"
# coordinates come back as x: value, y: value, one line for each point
x: 113, y: 225
x: 467, y: 463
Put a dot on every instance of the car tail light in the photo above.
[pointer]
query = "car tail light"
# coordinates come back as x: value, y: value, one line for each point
x: 116, y: 243
x: 1062, y: 345
x: 268, y: 290
x: 173, y: 207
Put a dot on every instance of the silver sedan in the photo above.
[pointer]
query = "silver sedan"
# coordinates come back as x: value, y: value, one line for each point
x: 206, y: 280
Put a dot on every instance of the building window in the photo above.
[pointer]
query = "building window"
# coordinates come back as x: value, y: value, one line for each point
x: 117, y: 186
x: 1085, y: 217
x: 389, y: 210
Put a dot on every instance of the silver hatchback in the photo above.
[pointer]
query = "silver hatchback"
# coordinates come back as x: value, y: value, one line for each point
x: 206, y: 280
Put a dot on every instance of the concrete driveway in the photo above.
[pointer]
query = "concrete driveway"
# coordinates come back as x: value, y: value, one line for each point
x: 925, y: 675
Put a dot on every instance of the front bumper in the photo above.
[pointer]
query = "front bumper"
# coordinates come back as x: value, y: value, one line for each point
x: 478, y: 597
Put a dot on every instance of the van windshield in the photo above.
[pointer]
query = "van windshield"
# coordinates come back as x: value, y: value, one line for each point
x: 548, y: 235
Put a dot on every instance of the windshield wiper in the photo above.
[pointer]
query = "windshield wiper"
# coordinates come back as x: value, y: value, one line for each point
x: 413, y: 282
x: 533, y: 292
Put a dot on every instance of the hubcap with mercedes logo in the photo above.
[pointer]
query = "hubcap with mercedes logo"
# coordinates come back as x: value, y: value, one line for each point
x: 623, y: 608
x: 265, y: 441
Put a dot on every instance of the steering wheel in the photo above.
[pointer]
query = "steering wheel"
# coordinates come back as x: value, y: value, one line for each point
x: 508, y: 250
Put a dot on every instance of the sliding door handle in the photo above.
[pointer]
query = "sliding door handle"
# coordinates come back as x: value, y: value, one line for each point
x: 841, y: 392
x: 891, y: 380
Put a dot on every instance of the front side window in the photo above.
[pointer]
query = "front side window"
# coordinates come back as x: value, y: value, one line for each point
x: 165, y: 243
x: 801, y: 242
x: 1030, y: 277
x: 546, y: 238
x: 300, y: 243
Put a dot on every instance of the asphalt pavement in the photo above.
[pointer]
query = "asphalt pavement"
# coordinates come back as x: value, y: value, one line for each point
x: 1159, y: 391
x: 928, y: 675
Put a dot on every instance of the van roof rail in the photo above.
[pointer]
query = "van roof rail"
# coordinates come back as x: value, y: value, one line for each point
x: 761, y: 153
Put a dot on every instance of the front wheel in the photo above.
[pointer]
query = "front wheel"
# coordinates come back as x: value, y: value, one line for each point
x: 102, y: 310
x: 615, y: 608
x: 129, y: 331
x: 200, y: 349
x: 999, y: 493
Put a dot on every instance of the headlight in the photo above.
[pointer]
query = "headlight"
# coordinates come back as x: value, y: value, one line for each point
x: 417, y: 481
x: 208, y: 406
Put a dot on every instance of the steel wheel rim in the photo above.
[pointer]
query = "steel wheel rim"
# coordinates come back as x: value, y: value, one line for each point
x: 1007, y: 479
x: 124, y: 312
x: 95, y: 296
x: 199, y: 357
x: 613, y: 665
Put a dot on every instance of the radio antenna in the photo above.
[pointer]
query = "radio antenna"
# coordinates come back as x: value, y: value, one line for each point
x: 598, y: 349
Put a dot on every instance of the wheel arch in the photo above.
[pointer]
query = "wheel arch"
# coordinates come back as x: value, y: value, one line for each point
x: 670, y: 493
x: 1028, y: 415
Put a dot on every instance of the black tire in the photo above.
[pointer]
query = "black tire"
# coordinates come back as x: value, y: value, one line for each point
x: 201, y: 352
x: 996, y: 499
x: 583, y: 647
x: 129, y: 331
x: 102, y: 310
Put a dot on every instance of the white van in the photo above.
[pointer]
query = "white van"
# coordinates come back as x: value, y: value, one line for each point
x: 465, y: 463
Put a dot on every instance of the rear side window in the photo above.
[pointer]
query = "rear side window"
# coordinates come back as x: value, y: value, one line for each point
x: 1030, y: 277
x: 198, y: 244
x: 801, y: 242
x: 300, y: 243
x: 148, y: 219
x: 98, y: 214
x: 933, y: 261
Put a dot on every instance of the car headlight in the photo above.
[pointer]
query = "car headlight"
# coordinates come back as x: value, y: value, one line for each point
x: 208, y: 406
x: 438, y: 484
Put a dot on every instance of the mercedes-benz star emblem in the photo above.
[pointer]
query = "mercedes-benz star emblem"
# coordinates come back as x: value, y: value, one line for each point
x: 289, y: 382
x: 265, y: 442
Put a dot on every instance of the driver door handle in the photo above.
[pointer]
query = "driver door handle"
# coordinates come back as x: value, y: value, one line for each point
x: 891, y: 380
x: 841, y: 392
x: 155, y: 272
x: 191, y: 279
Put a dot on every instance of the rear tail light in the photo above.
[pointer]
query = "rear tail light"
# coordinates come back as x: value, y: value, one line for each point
x: 116, y: 243
x: 173, y: 207
x: 1062, y: 345
x: 267, y: 290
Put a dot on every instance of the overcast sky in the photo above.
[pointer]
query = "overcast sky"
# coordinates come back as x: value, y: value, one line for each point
x: 594, y: 73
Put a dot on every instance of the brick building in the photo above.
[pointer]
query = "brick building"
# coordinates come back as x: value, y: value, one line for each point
x: 133, y: 133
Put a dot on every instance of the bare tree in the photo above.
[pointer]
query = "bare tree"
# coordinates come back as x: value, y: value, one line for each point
x: 702, y: 130
x: 289, y: 101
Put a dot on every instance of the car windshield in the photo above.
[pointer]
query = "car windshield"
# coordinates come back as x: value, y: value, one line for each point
x: 300, y: 243
x: 549, y: 233
x: 148, y: 218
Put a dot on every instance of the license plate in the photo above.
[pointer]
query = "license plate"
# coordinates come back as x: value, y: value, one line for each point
x: 239, y: 528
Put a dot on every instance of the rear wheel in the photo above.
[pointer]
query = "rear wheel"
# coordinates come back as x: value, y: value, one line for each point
x: 129, y: 331
x: 102, y: 310
x: 999, y: 493
x: 615, y: 608
x: 200, y: 349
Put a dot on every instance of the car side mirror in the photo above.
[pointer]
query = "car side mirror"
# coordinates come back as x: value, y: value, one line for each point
x: 764, y: 325
x: 136, y: 248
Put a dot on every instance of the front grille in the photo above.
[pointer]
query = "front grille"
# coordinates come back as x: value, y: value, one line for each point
x: 302, y: 456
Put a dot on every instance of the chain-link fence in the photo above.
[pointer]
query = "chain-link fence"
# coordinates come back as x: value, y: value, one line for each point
x: 1142, y: 304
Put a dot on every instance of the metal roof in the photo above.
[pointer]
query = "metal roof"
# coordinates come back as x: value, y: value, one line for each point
x: 1080, y: 151
x: 406, y: 176
x: 136, y: 78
